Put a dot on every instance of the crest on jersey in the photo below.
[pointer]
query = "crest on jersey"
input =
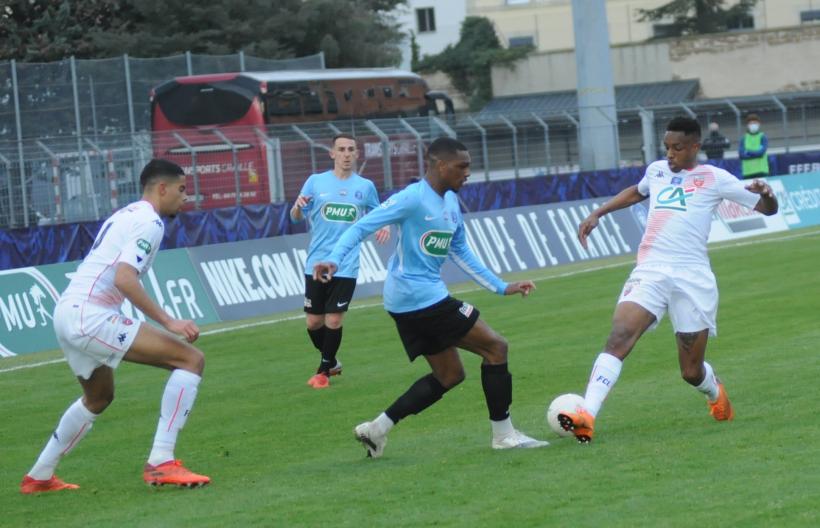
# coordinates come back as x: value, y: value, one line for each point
x: 699, y: 181
x: 359, y: 195
x: 677, y: 180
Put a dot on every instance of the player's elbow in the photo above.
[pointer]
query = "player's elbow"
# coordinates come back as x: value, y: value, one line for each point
x: 124, y: 278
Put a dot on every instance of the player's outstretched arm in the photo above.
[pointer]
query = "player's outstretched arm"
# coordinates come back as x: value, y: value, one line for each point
x: 627, y: 197
x: 127, y: 281
x: 768, y: 202
x: 522, y: 287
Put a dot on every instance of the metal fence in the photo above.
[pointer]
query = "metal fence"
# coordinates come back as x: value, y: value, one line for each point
x: 76, y: 178
x: 97, y: 97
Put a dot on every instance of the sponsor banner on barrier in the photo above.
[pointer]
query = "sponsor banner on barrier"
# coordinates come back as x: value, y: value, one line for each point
x: 257, y: 277
x: 28, y: 297
x: 799, y: 198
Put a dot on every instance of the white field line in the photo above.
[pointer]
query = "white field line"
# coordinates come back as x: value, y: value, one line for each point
x: 278, y: 320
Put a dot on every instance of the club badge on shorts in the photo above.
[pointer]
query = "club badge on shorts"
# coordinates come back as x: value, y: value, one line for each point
x: 466, y: 309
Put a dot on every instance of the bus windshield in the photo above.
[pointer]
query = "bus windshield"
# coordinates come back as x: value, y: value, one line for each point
x: 206, y: 103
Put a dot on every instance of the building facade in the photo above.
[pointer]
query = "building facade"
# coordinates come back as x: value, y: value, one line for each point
x: 547, y: 24
x: 434, y: 24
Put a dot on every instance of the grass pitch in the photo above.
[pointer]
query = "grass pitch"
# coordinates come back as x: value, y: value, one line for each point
x: 282, y: 454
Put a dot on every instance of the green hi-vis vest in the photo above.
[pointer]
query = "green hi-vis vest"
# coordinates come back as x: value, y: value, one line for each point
x: 754, y: 165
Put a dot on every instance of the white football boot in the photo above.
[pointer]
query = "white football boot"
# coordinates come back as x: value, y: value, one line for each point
x: 372, y: 441
x: 517, y: 440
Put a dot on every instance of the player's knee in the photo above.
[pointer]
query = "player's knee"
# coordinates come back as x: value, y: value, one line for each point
x: 453, y: 378
x: 195, y: 362
x: 333, y: 321
x: 499, y: 350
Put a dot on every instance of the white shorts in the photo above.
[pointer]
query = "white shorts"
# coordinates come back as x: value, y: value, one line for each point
x: 690, y: 295
x: 92, y: 335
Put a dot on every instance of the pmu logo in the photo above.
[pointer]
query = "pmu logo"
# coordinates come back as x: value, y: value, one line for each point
x: 27, y: 300
x: 339, y: 212
x: 436, y: 243
x: 674, y: 198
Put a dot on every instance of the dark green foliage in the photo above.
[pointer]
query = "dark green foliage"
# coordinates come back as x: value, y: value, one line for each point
x: 352, y: 33
x: 469, y: 62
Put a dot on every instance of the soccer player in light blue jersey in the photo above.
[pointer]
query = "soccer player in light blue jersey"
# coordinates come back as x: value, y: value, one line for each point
x: 331, y: 201
x: 430, y: 322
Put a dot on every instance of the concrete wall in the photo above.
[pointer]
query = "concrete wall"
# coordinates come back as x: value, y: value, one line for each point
x: 727, y: 64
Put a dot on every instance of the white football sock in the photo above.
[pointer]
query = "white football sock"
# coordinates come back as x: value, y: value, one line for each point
x: 605, y: 373
x: 73, y: 426
x: 177, y: 401
x: 502, y: 428
x: 383, y: 424
x: 709, y: 385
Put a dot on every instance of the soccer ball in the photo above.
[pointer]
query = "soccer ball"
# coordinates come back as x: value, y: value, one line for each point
x: 565, y: 403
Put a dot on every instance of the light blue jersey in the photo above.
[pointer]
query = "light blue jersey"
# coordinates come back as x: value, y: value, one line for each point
x: 335, y: 205
x: 430, y: 228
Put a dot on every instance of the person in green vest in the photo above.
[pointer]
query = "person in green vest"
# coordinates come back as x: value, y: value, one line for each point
x: 752, y: 151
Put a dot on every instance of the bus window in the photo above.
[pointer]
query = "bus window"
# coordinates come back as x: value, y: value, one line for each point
x: 348, y: 95
x: 370, y: 92
x: 330, y: 101
x: 388, y: 91
x: 311, y: 102
x: 284, y: 103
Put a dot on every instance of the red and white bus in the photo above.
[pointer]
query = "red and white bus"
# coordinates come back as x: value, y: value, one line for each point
x: 200, y: 116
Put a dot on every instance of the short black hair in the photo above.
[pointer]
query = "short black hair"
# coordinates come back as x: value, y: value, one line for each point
x: 341, y: 136
x: 157, y: 169
x: 445, y: 148
x: 687, y: 125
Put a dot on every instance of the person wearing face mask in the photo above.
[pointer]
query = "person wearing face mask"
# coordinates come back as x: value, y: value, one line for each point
x: 715, y: 143
x: 752, y: 151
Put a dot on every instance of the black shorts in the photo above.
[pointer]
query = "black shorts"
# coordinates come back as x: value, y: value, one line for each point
x: 330, y: 297
x: 433, y: 329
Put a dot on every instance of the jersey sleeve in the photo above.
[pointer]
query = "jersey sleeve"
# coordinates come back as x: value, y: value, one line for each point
x: 465, y: 259
x: 734, y: 190
x: 643, y: 185
x: 391, y: 211
x: 143, y: 241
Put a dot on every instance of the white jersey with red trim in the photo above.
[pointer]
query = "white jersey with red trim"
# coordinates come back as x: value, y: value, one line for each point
x: 681, y: 205
x: 131, y: 235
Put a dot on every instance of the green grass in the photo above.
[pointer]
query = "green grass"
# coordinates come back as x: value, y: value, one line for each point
x: 281, y: 454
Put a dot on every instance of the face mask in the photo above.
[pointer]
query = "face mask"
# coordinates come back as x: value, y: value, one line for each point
x: 754, y: 127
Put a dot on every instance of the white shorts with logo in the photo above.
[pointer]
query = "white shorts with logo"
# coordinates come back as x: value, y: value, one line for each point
x: 92, y: 335
x: 690, y: 295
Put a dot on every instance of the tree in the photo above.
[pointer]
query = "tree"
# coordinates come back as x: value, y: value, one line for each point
x: 352, y: 32
x: 699, y: 16
x: 469, y: 63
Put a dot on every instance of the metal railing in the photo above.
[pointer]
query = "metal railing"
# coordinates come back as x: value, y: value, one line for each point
x: 71, y: 178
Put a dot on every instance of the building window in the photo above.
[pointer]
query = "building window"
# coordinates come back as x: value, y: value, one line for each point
x: 810, y: 16
x: 740, y: 22
x: 426, y: 19
x: 520, y: 42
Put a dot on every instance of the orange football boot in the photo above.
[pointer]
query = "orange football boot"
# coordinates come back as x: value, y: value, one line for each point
x: 173, y: 473
x: 319, y: 381
x: 721, y: 409
x: 581, y: 424
x: 30, y: 485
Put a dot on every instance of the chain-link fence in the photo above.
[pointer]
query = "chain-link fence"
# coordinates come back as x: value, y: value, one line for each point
x: 76, y: 178
x: 97, y: 97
